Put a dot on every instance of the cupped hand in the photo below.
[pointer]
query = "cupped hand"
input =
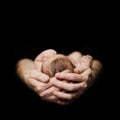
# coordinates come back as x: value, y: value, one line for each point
x: 42, y: 85
x: 75, y: 86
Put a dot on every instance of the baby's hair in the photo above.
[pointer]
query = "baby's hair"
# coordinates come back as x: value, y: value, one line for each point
x: 58, y: 65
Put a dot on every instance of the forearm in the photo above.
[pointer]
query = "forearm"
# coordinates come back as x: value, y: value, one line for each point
x: 23, y: 69
x: 96, y: 70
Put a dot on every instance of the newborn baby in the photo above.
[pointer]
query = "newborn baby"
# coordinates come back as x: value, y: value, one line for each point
x: 57, y: 63
x: 53, y: 62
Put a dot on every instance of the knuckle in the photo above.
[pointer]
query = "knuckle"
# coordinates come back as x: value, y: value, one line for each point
x: 70, y: 97
x: 84, y: 86
x: 41, y: 95
x: 71, y: 88
x: 74, y: 77
x: 38, y: 89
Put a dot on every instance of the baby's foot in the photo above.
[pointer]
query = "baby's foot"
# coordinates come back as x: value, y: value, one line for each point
x: 45, y: 55
x: 85, y: 63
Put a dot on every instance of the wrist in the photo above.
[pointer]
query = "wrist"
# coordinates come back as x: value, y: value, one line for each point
x: 25, y: 79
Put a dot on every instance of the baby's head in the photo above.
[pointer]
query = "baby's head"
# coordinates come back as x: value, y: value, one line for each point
x: 57, y: 63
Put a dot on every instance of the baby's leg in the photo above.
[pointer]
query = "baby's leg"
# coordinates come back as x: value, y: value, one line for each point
x: 45, y: 54
x: 84, y: 63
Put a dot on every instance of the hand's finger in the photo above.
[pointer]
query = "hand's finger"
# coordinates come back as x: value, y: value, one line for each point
x: 39, y: 76
x: 38, y: 86
x: 63, y: 102
x: 48, y: 92
x: 87, y: 72
x: 71, y: 77
x: 64, y: 95
x: 66, y: 102
x: 50, y: 99
x: 70, y: 86
x: 64, y: 71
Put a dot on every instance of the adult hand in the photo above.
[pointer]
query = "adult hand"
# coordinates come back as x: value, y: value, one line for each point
x: 42, y: 84
x: 76, y: 85
x: 69, y: 90
x: 35, y: 79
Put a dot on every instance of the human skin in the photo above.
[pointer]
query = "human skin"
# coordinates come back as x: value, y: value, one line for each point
x: 57, y: 63
x: 48, y: 57
x: 46, y: 87
x: 51, y: 61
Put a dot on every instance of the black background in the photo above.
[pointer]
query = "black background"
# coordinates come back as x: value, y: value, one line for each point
x: 97, y: 101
